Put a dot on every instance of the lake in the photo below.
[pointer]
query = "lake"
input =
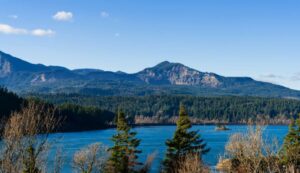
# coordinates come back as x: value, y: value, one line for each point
x: 153, y: 140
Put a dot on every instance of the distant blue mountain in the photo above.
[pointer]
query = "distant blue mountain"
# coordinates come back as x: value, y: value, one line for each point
x: 164, y: 78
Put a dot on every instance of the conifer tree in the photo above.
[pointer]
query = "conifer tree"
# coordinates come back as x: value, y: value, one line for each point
x: 291, y: 146
x: 184, y: 142
x: 123, y: 157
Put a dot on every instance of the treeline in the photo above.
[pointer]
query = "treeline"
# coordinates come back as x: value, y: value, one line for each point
x: 228, y: 109
x: 80, y: 118
x: 74, y: 117
x: 9, y: 102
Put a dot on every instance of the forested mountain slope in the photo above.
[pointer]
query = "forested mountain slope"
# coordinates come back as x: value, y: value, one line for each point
x: 164, y: 78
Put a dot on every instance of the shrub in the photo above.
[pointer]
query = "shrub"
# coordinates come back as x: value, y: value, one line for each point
x: 90, y: 159
x: 249, y: 152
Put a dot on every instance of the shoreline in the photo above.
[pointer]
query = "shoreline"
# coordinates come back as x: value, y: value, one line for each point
x: 226, y: 124
x: 161, y: 124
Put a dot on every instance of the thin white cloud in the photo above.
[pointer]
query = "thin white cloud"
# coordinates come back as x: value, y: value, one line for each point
x: 7, y: 29
x: 104, y: 14
x: 272, y: 76
x: 13, y: 16
x: 296, y: 77
x: 117, y: 34
x: 63, y: 16
x: 42, y: 32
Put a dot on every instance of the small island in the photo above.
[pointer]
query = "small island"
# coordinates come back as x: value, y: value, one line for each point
x: 221, y: 127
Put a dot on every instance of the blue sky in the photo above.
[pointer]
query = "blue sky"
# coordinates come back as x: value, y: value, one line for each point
x: 255, y: 38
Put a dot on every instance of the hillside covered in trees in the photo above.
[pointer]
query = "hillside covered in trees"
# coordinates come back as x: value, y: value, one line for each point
x: 9, y: 102
x: 74, y: 117
x: 81, y: 112
x: 164, y: 78
x: 163, y: 109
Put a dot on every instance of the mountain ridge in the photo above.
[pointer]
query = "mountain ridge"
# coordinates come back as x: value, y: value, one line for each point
x: 164, y: 78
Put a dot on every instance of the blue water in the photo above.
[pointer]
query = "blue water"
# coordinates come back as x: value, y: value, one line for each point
x: 153, y: 140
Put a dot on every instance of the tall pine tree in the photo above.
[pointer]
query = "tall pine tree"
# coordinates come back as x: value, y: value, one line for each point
x: 184, y: 142
x: 291, y: 146
x: 124, y: 152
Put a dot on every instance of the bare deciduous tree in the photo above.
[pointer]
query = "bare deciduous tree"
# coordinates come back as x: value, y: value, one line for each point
x: 90, y: 159
x: 25, y: 139
x: 58, y: 161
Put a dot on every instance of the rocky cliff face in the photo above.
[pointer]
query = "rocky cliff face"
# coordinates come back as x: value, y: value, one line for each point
x: 5, y: 67
x: 17, y: 71
x: 178, y: 74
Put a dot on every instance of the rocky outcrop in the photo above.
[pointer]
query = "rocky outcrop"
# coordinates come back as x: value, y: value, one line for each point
x: 5, y: 67
x: 178, y: 74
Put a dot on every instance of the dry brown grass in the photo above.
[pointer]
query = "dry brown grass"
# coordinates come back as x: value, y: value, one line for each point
x: 90, y: 159
x: 191, y: 163
x: 59, y: 161
x: 249, y: 152
x: 25, y: 139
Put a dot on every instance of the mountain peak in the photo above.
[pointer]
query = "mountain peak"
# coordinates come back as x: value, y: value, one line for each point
x: 167, y: 63
x: 166, y: 66
x: 15, y: 64
x: 163, y: 63
x: 177, y: 74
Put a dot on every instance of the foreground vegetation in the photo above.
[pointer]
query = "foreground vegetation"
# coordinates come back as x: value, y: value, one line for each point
x: 250, y: 152
x: 25, y: 147
x: 25, y: 144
